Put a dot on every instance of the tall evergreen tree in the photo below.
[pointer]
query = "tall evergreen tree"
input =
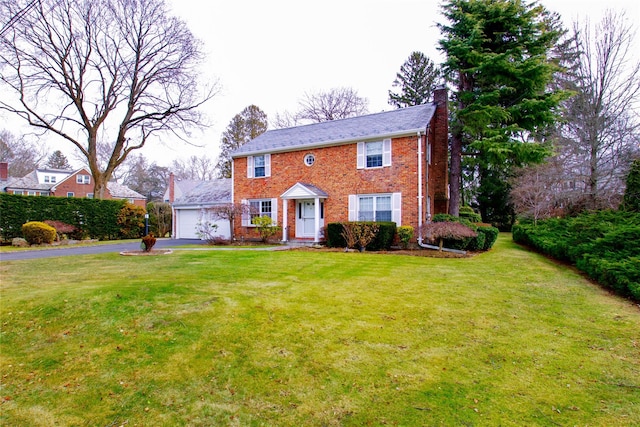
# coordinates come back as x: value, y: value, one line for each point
x: 631, y: 201
x: 57, y: 160
x: 244, y: 127
x: 498, y: 59
x: 416, y: 79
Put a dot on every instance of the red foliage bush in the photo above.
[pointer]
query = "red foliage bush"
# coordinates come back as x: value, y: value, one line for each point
x: 440, y: 231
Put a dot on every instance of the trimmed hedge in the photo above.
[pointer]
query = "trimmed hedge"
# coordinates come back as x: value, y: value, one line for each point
x: 97, y: 219
x: 383, y: 240
x: 605, y: 245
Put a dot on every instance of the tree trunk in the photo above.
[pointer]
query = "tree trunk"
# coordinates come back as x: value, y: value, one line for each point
x: 455, y: 176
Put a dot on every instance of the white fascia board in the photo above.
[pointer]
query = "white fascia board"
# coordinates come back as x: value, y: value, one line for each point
x: 329, y: 143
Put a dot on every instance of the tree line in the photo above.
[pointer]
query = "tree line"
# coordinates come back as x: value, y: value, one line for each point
x: 544, y: 119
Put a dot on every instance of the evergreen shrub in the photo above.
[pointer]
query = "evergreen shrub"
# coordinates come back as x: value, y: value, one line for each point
x: 605, y: 245
x: 469, y: 214
x: 36, y: 233
x: 383, y: 240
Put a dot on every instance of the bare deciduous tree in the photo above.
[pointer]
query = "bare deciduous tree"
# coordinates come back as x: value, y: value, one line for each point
x: 194, y: 168
x: 96, y: 71
x: 21, y: 155
x: 230, y: 212
x: 601, y: 133
x: 337, y: 103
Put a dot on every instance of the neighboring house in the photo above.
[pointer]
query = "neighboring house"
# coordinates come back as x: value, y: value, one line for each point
x: 389, y: 166
x: 191, y: 203
x: 64, y: 183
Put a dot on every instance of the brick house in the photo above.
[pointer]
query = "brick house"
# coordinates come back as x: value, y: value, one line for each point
x: 64, y: 183
x: 389, y: 166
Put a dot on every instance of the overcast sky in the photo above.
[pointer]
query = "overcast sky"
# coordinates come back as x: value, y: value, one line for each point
x: 270, y: 53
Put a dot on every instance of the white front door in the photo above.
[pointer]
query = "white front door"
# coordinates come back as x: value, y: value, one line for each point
x: 305, y: 218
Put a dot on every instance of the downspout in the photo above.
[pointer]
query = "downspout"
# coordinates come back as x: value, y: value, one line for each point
x: 421, y: 197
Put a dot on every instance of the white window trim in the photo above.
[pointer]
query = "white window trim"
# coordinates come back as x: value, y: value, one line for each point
x: 396, y: 206
x: 361, y: 158
x: 83, y: 179
x: 251, y: 167
x: 246, y: 216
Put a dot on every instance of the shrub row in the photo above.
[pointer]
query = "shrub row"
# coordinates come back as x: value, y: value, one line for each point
x: 93, y: 218
x: 383, y: 240
x: 605, y: 245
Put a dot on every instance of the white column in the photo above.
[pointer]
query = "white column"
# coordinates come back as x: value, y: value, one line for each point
x: 284, y: 219
x: 316, y: 237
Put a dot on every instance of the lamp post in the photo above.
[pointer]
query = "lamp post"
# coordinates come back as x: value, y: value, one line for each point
x: 146, y: 224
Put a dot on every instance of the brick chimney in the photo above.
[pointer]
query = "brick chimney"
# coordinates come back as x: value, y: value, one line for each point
x: 439, y: 169
x: 172, y: 187
x: 4, y: 171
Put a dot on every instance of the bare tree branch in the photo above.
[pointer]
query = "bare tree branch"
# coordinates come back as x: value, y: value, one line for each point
x: 114, y: 72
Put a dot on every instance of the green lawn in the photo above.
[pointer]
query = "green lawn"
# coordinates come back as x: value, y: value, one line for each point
x: 292, y: 338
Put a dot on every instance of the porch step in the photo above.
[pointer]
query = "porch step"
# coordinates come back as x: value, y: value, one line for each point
x: 302, y: 243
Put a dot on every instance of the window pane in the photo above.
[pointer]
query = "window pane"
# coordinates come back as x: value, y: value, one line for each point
x: 266, y: 208
x: 374, y: 154
x: 383, y: 203
x: 383, y: 208
x: 258, y: 166
x: 365, y: 212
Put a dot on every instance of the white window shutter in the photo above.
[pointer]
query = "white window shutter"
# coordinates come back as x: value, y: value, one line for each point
x: 246, y: 216
x: 353, y: 206
x: 396, y: 206
x: 386, y: 152
x: 267, y: 165
x: 274, y: 211
x: 360, y: 158
x: 249, y: 167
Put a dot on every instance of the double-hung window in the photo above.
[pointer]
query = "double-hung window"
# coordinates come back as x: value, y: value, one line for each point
x: 83, y: 179
x: 376, y: 207
x: 259, y: 166
x: 374, y: 154
x: 258, y: 208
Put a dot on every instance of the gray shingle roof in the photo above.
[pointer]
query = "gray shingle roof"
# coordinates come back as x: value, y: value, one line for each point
x: 404, y: 121
x: 207, y: 193
x: 119, y: 191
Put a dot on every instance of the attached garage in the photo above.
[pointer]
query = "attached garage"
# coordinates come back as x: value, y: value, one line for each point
x: 194, y: 208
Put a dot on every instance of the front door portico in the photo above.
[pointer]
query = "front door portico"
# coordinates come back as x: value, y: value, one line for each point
x: 309, y: 220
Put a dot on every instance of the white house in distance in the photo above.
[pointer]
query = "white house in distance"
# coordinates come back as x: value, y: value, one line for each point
x: 190, y: 203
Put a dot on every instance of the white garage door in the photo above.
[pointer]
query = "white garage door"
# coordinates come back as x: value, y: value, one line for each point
x: 187, y: 221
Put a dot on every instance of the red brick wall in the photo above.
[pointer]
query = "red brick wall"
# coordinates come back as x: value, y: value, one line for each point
x: 335, y: 172
x: 70, y: 185
x: 81, y: 190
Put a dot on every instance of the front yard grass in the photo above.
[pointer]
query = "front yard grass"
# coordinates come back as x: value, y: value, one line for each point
x: 292, y: 338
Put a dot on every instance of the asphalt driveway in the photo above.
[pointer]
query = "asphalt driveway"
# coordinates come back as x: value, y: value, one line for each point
x: 58, y: 251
